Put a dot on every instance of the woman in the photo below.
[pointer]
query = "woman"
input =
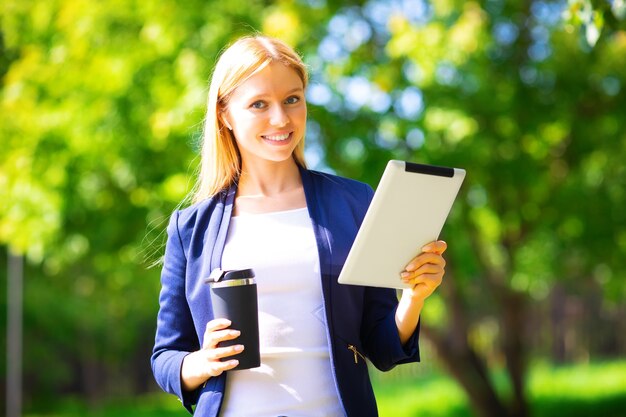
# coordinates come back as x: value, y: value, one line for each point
x: 256, y: 205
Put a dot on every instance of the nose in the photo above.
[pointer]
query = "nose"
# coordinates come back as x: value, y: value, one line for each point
x: 279, y: 117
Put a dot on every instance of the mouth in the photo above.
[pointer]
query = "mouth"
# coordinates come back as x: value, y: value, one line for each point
x: 278, y: 139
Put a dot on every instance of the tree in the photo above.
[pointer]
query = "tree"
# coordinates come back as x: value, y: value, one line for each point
x: 100, y: 113
x: 508, y: 92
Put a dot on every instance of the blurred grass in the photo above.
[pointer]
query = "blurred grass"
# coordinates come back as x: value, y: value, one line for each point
x: 149, y: 405
x: 425, y: 396
x: 582, y: 390
x: 597, y: 389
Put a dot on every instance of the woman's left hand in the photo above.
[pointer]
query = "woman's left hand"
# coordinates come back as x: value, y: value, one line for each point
x: 425, y: 272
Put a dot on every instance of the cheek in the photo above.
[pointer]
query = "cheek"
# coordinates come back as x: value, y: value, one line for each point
x: 299, y: 114
x: 245, y: 126
x: 237, y: 115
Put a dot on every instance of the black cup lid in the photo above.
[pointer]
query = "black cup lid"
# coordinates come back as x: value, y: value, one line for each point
x: 217, y: 275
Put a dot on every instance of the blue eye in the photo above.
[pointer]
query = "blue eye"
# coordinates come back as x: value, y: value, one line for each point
x: 258, y: 105
x: 292, y: 100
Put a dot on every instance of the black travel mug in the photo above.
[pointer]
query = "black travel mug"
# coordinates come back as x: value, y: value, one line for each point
x: 234, y: 297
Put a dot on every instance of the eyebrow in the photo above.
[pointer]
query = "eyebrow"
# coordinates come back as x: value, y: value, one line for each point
x: 257, y: 96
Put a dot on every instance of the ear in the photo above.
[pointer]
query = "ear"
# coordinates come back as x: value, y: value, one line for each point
x: 224, y: 120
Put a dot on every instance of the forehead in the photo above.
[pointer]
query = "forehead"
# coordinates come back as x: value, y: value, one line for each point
x: 275, y: 79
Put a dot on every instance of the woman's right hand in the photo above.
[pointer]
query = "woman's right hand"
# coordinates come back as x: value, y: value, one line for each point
x: 199, y: 366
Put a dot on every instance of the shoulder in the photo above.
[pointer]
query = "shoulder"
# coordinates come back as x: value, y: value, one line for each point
x: 341, y: 186
x: 198, y: 215
x: 191, y: 213
x: 344, y: 197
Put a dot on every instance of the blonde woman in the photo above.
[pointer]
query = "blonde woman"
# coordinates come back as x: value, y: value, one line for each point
x: 257, y: 205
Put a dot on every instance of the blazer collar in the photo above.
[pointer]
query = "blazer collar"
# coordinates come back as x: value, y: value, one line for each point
x: 227, y: 201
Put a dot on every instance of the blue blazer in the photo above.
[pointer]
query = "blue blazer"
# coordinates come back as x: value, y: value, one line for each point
x: 361, y: 317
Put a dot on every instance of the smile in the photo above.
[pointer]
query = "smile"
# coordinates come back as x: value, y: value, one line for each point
x: 277, y: 138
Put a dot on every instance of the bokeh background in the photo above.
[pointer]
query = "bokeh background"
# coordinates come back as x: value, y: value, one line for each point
x: 101, y: 108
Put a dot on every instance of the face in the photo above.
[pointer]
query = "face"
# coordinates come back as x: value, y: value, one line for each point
x: 267, y: 114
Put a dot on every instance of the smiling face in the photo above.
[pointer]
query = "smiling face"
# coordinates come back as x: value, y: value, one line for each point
x: 267, y: 114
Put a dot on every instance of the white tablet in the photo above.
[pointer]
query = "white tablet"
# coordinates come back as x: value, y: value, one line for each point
x: 409, y: 209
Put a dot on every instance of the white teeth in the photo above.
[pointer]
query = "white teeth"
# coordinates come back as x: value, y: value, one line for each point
x: 277, y: 137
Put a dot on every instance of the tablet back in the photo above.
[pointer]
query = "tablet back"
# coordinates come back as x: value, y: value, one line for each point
x: 409, y: 209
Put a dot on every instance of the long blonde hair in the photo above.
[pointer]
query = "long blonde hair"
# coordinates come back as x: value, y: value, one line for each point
x: 221, y: 161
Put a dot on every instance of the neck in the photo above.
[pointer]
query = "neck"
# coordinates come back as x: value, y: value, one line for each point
x: 269, y: 178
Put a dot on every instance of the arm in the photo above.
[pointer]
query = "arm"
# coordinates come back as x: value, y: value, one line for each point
x: 179, y: 365
x: 425, y: 273
x: 390, y: 330
x: 175, y: 333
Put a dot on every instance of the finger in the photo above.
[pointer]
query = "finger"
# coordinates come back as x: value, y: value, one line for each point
x: 211, y: 339
x: 425, y: 258
x: 225, y: 352
x: 431, y: 281
x: 217, y: 368
x: 438, y: 246
x: 217, y: 324
x: 212, y: 326
x: 422, y: 270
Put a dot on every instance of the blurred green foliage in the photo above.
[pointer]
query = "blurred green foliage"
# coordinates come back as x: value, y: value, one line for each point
x: 101, y: 107
x: 574, y: 390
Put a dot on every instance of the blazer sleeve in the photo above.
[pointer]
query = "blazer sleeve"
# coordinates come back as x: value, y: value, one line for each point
x: 379, y: 333
x: 175, y: 333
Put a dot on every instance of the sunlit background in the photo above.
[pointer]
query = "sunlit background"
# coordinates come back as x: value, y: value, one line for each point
x: 101, y: 108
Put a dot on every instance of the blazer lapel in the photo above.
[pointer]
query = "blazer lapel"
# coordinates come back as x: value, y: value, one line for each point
x: 215, y: 258
x: 319, y: 218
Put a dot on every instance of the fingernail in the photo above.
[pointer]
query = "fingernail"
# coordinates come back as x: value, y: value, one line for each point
x: 238, y: 348
x: 404, y: 274
x: 235, y: 333
x: 234, y: 362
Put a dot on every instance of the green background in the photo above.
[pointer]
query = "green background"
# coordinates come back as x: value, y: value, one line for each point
x: 101, y: 108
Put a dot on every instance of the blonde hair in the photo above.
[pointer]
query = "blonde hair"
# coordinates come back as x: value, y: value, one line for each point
x: 220, y: 160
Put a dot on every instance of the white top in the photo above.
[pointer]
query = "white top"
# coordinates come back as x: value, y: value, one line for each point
x: 295, y: 377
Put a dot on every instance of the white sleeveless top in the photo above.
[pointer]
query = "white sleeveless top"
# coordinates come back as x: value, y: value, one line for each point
x: 295, y: 377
